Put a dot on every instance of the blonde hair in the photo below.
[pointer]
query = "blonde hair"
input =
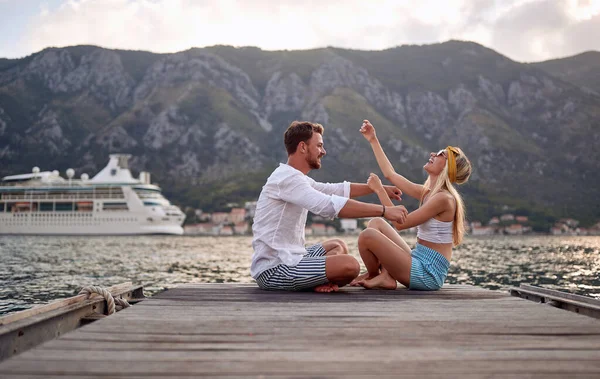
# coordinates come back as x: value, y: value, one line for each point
x: 463, y: 171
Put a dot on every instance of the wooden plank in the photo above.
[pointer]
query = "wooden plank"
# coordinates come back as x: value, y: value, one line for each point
x: 300, y: 368
x: 571, y: 302
x: 116, y: 290
x: 483, y: 343
x: 398, y: 375
x: 238, y: 330
x: 23, y: 330
x: 560, y: 294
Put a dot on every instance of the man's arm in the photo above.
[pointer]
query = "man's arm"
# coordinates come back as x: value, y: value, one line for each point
x: 358, y: 209
x: 301, y: 193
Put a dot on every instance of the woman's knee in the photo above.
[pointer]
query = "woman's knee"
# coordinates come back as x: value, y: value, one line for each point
x: 368, y: 235
x: 376, y: 223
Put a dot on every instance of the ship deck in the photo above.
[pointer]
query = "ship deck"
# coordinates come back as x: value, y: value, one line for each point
x: 238, y: 330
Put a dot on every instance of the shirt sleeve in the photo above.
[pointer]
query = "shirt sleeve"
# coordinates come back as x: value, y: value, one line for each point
x: 297, y: 190
x: 339, y: 189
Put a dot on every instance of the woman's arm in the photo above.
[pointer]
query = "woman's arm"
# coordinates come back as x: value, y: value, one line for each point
x: 438, y: 203
x: 376, y: 186
x: 406, y: 186
x: 361, y: 189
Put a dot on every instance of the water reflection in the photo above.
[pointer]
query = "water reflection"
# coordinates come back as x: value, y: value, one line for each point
x: 36, y: 269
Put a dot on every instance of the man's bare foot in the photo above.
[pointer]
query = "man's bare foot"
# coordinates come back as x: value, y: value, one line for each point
x: 328, y: 287
x: 360, y: 278
x: 382, y: 281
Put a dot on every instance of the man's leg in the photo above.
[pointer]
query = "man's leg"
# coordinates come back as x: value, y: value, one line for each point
x: 340, y: 271
x: 335, y: 246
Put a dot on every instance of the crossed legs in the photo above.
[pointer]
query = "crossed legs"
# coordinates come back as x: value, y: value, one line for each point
x: 340, y: 267
x: 380, y: 246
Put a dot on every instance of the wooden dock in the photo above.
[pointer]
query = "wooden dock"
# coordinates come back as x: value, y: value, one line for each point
x: 238, y: 330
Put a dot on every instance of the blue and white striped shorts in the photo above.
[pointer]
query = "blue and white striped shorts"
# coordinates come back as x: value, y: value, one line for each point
x: 428, y: 270
x: 307, y: 274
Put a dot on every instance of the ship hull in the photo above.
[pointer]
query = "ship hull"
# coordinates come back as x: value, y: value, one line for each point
x: 84, y: 224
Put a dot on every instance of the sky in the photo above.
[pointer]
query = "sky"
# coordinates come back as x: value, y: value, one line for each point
x: 523, y: 30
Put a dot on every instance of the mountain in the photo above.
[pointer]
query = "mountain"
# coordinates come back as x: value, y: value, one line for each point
x: 208, y: 123
x: 582, y: 70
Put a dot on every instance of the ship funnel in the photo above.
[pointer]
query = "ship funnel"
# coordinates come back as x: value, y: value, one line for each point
x: 145, y: 177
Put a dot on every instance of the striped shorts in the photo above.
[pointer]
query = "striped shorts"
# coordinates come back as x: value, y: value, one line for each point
x: 428, y: 270
x: 307, y: 274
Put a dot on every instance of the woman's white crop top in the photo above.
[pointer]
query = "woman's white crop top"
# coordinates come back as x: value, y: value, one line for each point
x: 435, y: 231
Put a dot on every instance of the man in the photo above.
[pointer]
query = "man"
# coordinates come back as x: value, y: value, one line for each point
x: 280, y: 260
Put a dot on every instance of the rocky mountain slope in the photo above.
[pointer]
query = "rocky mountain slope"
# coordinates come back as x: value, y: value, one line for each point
x: 208, y: 123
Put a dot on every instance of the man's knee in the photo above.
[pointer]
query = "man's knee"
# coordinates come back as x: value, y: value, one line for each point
x: 336, y: 246
x: 341, y: 245
x: 343, y: 267
x: 353, y: 269
x: 350, y: 267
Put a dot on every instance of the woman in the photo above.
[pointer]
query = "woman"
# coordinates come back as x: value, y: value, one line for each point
x: 440, y: 221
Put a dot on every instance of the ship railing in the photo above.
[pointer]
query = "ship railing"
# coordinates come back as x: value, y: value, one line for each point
x: 62, y: 196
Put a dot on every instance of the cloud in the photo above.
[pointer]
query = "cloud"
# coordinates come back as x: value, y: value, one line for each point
x: 522, y: 29
x: 546, y: 29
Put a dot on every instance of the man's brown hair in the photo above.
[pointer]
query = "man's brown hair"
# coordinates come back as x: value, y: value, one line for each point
x: 300, y: 131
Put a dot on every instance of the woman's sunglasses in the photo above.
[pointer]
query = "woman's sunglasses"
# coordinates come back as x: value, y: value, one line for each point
x: 441, y: 152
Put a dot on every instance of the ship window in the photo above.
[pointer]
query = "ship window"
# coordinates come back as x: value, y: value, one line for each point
x: 62, y: 207
x: 84, y: 206
x: 46, y: 207
x: 115, y: 207
x: 2, y: 207
x: 151, y: 203
x: 113, y: 172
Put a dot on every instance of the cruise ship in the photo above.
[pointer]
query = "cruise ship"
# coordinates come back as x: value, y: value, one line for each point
x: 111, y: 203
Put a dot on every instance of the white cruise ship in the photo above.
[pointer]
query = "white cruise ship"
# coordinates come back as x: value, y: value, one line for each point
x: 110, y: 203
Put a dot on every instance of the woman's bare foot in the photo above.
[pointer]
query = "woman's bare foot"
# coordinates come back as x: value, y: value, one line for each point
x: 360, y: 278
x: 327, y: 287
x: 381, y: 281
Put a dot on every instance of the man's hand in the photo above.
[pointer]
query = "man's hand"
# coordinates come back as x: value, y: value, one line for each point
x: 397, y: 213
x: 368, y: 131
x: 393, y: 192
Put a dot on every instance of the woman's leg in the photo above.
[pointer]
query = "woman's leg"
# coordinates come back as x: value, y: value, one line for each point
x: 377, y: 249
x: 386, y: 229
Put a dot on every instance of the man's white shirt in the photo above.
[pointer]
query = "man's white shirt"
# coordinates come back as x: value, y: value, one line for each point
x: 280, y: 217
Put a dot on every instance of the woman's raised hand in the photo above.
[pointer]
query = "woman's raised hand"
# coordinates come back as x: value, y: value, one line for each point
x: 374, y: 183
x: 368, y: 131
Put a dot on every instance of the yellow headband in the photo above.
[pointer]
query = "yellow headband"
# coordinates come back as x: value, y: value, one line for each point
x: 452, y: 152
